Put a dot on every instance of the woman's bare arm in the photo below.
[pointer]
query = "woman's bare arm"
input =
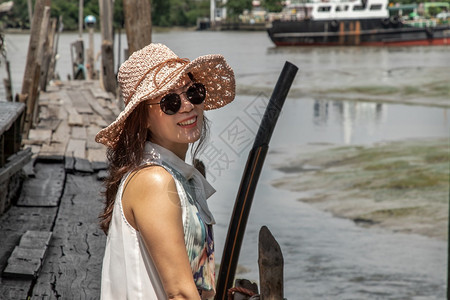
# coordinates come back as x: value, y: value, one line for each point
x: 152, y: 206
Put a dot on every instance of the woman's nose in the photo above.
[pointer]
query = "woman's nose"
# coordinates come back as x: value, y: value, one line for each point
x: 186, y: 105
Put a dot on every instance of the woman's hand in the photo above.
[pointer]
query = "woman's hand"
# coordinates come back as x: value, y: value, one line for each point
x: 152, y: 206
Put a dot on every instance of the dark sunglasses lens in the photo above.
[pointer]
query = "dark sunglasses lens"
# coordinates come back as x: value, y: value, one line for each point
x: 196, y: 93
x: 170, y: 104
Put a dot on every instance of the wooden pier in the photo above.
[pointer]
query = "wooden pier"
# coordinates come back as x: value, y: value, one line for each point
x: 51, y: 245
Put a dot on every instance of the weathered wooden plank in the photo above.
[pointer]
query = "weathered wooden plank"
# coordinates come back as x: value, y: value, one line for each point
x: 75, y: 119
x: 90, y: 140
x: 102, y: 175
x: 69, y: 163
x: 96, y: 107
x: 97, y: 155
x: 28, y: 168
x: 53, y: 152
x: 9, y: 112
x: 62, y: 113
x: 24, y: 263
x: 99, y: 121
x: 10, y: 190
x: 34, y: 239
x: 39, y: 136
x: 78, y: 133
x: 114, y: 107
x: 91, y: 144
x: 80, y: 102
x: 16, y: 221
x: 35, y: 149
x: 50, y: 97
x: 27, y: 258
x: 271, y: 266
x: 14, y: 164
x: 76, y: 148
x: 14, y: 288
x: 73, y: 264
x: 50, y: 123
x: 22, y: 268
x: 103, y: 102
x: 86, y: 119
x: 98, y: 92
x: 43, y: 112
x: 62, y: 133
x: 46, y: 188
x: 83, y: 165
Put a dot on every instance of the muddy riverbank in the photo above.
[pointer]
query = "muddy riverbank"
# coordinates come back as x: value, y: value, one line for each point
x: 402, y: 186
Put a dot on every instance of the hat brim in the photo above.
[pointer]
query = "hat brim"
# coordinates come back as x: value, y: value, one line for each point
x: 211, y: 70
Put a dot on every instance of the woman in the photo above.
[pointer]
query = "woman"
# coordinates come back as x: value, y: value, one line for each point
x: 159, y: 228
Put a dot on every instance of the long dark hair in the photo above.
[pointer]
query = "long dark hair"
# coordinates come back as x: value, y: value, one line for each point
x: 128, y: 153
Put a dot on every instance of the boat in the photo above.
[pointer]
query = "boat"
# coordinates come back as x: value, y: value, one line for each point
x: 360, y: 22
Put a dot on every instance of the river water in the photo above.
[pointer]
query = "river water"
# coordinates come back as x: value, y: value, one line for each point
x: 325, y: 257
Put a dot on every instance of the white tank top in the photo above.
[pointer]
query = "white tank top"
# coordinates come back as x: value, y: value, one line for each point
x: 128, y: 271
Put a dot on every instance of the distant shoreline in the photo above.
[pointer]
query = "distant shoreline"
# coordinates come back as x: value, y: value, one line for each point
x: 156, y: 29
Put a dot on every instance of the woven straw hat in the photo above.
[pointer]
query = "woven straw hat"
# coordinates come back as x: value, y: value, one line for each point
x: 154, y: 70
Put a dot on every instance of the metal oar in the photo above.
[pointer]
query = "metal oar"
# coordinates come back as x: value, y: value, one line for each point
x: 249, y: 181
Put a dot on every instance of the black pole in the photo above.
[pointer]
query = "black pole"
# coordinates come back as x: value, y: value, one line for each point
x: 448, y: 249
x: 249, y: 181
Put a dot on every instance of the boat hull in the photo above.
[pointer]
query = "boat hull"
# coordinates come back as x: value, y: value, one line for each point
x: 365, y: 32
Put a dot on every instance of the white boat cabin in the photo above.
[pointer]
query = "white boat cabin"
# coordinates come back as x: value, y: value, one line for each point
x: 336, y: 10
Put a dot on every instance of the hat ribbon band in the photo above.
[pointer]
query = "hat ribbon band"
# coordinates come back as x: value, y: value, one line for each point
x: 158, y: 68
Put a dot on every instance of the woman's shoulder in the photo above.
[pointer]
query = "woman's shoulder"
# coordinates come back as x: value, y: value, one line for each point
x: 151, y: 176
x: 152, y: 185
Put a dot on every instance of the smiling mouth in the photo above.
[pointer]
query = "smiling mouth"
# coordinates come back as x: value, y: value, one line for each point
x: 188, y: 122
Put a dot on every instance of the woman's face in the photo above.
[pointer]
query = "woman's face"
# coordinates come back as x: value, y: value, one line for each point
x: 175, y: 132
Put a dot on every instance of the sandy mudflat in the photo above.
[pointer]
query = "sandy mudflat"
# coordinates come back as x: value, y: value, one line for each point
x: 402, y: 186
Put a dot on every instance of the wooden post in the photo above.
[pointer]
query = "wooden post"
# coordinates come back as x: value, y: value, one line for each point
x: 107, y: 49
x: 34, y: 59
x: 106, y: 17
x: 77, y: 54
x: 8, y: 83
x: 51, y: 71
x: 47, y: 55
x: 51, y: 52
x: 80, y: 18
x: 212, y: 14
x: 31, y: 100
x: 270, y: 263
x: 30, y: 10
x: 40, y: 60
x: 109, y: 78
x: 138, y: 23
x: 90, y: 55
x: 34, y: 43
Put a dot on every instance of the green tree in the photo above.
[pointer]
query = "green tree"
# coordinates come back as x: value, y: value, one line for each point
x: 237, y: 7
x: 161, y: 12
x: 178, y: 12
x: 272, y: 5
x: 18, y: 17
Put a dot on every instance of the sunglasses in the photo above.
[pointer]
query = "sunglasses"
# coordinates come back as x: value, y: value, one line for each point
x: 171, y: 103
